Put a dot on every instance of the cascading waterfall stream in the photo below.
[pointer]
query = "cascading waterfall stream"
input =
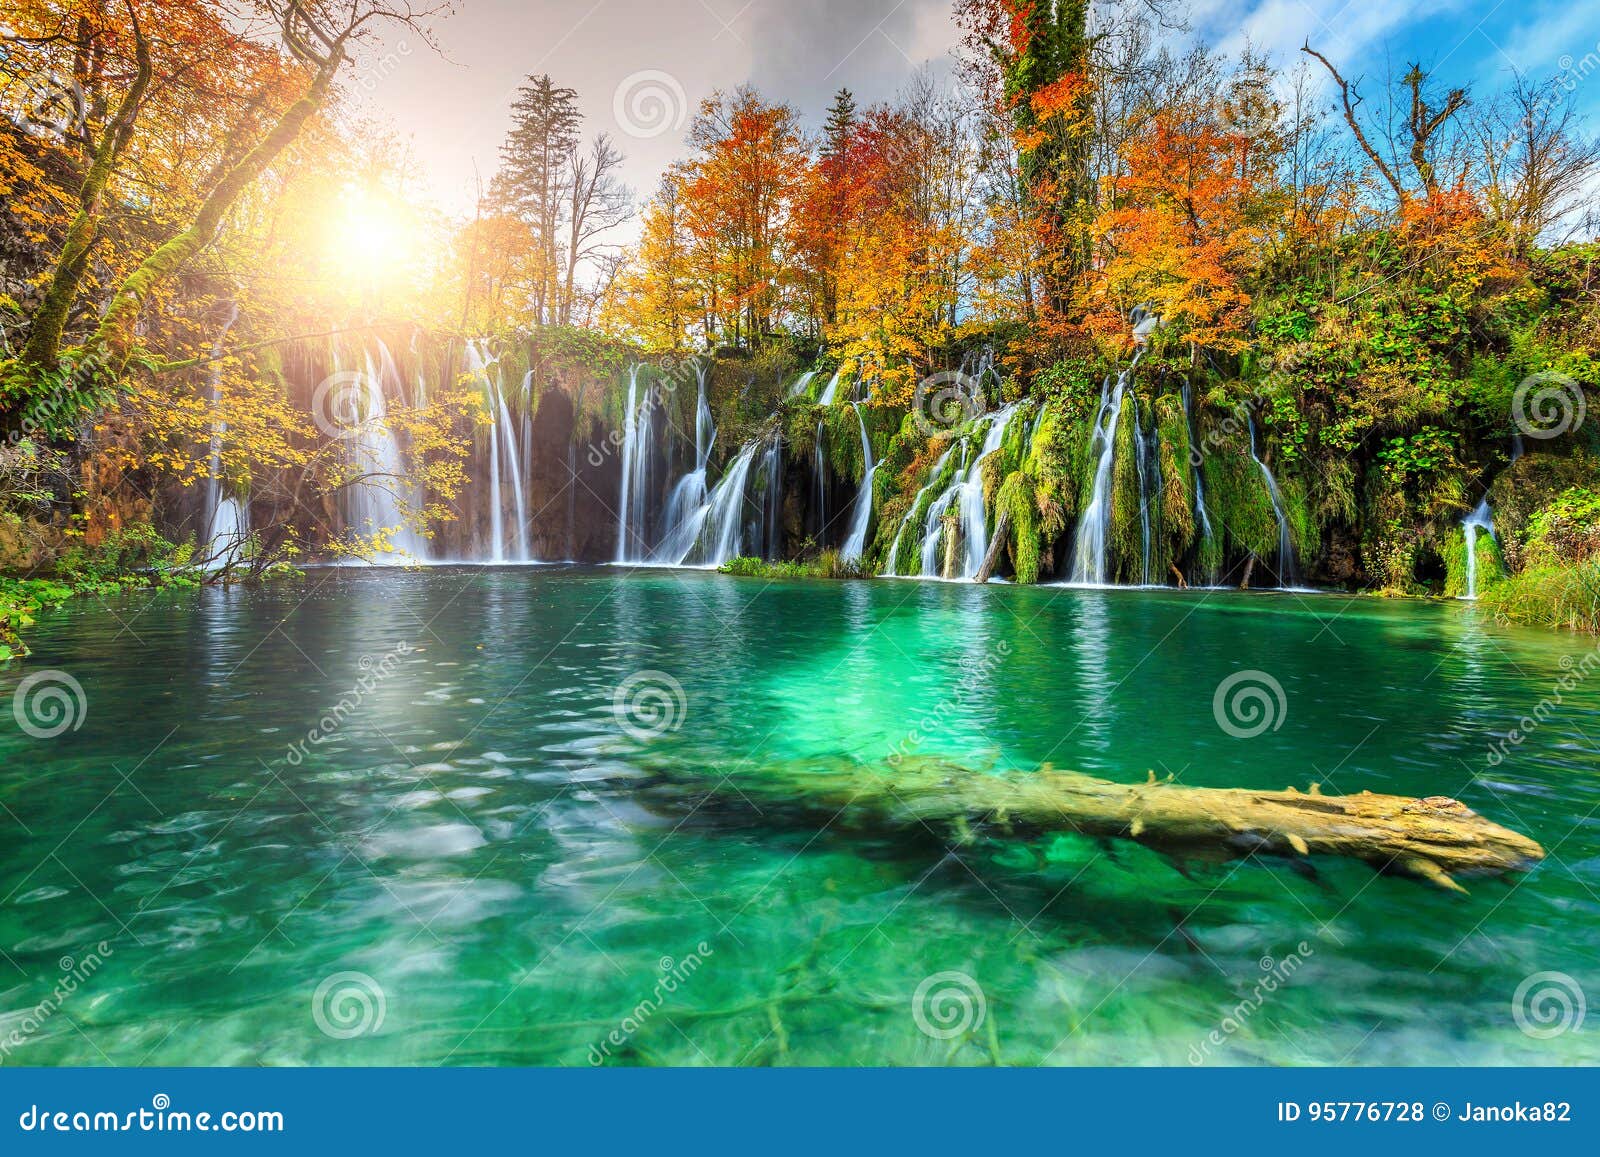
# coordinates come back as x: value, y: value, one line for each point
x: 689, y: 503
x: 227, y: 518
x: 819, y: 468
x: 1200, y: 512
x: 830, y: 391
x: 373, y: 505
x: 1480, y: 519
x: 861, y: 517
x: 1286, y: 567
x: 700, y: 525
x: 1148, y: 463
x: 905, y: 523
x: 507, y: 446
x: 965, y: 495
x: 637, y: 444
x: 509, y: 453
x: 1089, y: 562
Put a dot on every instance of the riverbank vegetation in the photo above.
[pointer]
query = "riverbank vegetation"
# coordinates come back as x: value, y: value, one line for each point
x: 1371, y: 311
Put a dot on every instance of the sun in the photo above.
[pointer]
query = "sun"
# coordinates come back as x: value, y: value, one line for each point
x: 371, y: 232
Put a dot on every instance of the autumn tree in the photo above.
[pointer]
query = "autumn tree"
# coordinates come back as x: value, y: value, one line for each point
x: 1185, y: 225
x: 742, y: 184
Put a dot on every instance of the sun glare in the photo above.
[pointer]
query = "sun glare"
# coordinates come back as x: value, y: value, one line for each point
x: 370, y: 234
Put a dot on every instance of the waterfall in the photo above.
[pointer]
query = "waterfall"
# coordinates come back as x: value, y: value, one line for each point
x: 227, y: 519
x: 905, y: 523
x: 374, y: 504
x: 1479, y: 519
x: 1148, y: 462
x: 504, y: 466
x: 1286, y: 569
x: 856, y: 542
x: 688, y: 504
x: 637, y: 445
x: 831, y: 391
x: 1200, y: 512
x: 820, y: 469
x: 497, y: 528
x: 801, y: 383
x: 509, y: 453
x: 1089, y: 547
x: 772, y: 495
x: 965, y: 495
x: 714, y: 533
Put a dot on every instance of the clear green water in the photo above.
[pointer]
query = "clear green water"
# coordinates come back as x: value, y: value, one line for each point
x: 465, y: 836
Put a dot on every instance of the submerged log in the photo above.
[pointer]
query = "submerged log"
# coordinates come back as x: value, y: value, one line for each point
x: 1435, y: 839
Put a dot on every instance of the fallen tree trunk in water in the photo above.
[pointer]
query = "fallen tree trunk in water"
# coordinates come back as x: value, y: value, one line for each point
x: 1435, y: 839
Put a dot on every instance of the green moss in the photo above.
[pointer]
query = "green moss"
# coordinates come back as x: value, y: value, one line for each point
x: 1566, y: 531
x: 1529, y: 485
x: 1126, y: 536
x: 907, y: 558
x: 1056, y: 462
x: 1236, y: 495
x: 1176, y: 530
x: 1017, y: 498
x: 21, y: 601
x: 1491, y: 566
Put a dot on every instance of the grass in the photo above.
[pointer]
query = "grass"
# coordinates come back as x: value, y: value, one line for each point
x: 827, y: 565
x: 1562, y: 598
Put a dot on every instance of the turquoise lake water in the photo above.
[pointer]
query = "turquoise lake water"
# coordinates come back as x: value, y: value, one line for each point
x: 401, y: 818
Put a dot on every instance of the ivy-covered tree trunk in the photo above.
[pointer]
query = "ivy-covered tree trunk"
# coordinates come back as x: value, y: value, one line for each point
x: 1055, y: 168
x: 43, y: 347
x: 112, y: 343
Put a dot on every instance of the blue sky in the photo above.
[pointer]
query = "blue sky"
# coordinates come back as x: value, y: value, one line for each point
x: 1480, y: 42
x: 453, y: 105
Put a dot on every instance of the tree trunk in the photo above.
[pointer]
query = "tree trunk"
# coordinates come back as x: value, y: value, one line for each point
x: 112, y: 342
x: 1002, y: 527
x: 1434, y: 839
x: 43, y: 348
